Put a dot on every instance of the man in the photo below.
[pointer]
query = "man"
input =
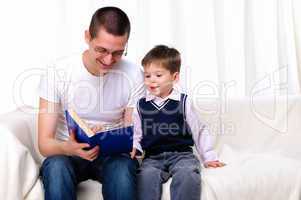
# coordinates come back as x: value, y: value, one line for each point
x: 101, y: 87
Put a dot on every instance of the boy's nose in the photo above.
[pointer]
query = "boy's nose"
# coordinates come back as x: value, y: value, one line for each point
x: 153, y: 80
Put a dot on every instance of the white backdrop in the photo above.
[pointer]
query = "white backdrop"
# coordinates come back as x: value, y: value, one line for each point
x: 229, y: 48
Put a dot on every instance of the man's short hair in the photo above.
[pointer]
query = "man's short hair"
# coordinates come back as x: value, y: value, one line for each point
x: 169, y: 58
x: 112, y: 19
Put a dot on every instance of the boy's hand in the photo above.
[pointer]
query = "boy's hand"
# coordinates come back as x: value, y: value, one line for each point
x: 214, y: 164
x: 133, y: 153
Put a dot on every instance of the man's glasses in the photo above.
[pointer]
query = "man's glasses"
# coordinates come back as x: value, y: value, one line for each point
x: 115, y: 54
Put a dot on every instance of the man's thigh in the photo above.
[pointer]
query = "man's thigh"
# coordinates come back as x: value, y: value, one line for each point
x: 110, y: 165
x: 56, y: 166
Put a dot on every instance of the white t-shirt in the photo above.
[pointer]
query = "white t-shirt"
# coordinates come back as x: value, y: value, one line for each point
x: 96, y: 99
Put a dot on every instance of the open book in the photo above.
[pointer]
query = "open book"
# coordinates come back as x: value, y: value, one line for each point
x: 112, y: 140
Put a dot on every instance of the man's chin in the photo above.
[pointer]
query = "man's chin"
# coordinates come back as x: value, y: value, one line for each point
x: 105, y: 69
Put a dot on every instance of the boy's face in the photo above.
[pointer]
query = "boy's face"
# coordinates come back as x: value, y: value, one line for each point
x: 158, y: 80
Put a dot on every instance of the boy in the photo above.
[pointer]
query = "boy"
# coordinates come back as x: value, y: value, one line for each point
x: 166, y: 127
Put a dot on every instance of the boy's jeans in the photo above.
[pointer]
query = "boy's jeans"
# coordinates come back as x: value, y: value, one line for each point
x: 61, y: 174
x: 183, y: 167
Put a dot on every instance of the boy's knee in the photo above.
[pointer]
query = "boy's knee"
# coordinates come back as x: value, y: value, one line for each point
x: 187, y: 174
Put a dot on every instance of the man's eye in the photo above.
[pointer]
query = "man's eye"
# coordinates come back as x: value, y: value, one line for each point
x: 100, y: 50
x: 117, y: 53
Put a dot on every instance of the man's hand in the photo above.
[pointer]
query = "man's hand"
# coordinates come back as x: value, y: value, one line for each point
x: 214, y: 164
x: 97, y: 128
x: 73, y: 148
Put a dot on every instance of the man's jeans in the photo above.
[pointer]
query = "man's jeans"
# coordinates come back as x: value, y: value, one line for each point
x: 183, y: 167
x: 61, y: 174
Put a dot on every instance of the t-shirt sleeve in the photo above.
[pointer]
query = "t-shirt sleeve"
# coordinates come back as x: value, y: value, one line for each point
x: 137, y: 89
x: 48, y: 89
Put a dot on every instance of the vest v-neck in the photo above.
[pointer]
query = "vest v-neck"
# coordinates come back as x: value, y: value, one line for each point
x: 159, y: 107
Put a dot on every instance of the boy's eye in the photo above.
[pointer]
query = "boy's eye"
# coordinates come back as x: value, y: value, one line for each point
x: 147, y: 76
x: 159, y: 75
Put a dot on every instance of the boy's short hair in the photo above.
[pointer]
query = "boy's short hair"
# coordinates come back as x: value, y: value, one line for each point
x: 169, y: 58
x: 112, y: 19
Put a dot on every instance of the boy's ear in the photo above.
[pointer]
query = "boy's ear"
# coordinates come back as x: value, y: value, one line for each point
x: 87, y: 36
x: 176, y: 76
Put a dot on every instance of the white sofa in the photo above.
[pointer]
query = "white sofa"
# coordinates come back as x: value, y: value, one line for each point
x: 259, y: 140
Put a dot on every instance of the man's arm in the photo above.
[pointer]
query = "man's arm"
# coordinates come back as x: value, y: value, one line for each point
x: 48, y: 145
x: 47, y: 123
x: 127, y: 117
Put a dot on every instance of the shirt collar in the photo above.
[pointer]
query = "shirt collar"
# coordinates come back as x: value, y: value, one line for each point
x: 174, y: 95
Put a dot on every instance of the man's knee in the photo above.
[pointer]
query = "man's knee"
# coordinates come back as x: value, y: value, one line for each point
x: 119, y: 172
x: 120, y: 165
x: 56, y: 165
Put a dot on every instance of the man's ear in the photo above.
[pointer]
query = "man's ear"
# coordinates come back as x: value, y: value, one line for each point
x: 87, y: 36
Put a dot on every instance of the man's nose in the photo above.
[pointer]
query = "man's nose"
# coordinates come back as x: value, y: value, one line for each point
x: 108, y: 59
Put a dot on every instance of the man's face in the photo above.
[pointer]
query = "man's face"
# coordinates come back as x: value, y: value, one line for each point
x: 105, y: 50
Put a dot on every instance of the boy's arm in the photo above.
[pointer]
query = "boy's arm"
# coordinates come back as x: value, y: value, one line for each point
x: 200, y: 134
x: 137, y: 130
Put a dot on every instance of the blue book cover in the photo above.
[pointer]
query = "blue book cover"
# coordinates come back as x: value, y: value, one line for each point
x: 111, y: 142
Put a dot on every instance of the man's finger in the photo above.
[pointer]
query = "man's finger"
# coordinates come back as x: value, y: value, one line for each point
x: 72, y: 135
x: 83, y: 145
x: 92, y: 151
x: 93, y: 156
x: 97, y: 128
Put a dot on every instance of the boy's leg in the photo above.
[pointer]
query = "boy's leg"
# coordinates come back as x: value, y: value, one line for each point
x: 60, y: 175
x: 186, y: 176
x: 151, y: 176
x: 118, y: 177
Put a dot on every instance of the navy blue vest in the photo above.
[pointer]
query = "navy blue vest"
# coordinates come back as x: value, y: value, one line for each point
x: 164, y: 127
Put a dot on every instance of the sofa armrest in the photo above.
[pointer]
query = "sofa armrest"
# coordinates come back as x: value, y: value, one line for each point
x: 19, y: 172
x: 21, y: 123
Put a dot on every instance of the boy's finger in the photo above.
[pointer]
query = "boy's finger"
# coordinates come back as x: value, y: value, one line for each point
x: 133, y: 153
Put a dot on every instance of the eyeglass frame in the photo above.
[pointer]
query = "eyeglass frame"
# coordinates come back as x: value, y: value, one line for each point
x: 115, y: 54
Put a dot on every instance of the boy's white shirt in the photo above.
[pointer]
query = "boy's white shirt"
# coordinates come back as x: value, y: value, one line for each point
x: 200, y: 133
